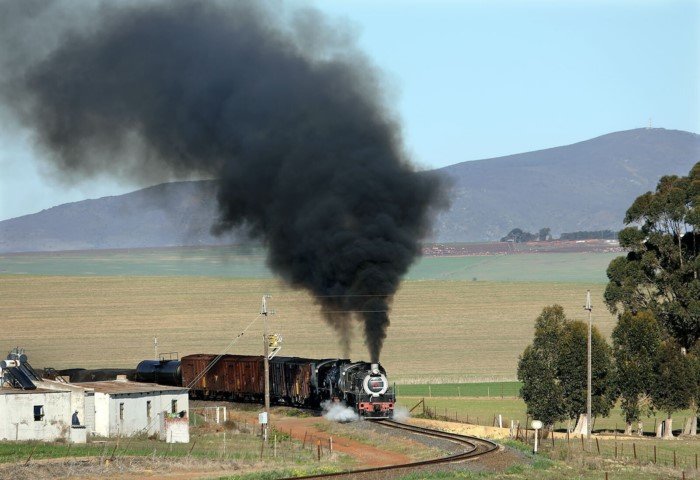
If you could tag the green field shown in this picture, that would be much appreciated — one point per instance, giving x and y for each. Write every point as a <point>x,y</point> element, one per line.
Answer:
<point>482,411</point>
<point>249,262</point>
<point>476,389</point>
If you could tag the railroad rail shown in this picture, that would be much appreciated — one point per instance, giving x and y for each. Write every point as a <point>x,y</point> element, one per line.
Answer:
<point>476,447</point>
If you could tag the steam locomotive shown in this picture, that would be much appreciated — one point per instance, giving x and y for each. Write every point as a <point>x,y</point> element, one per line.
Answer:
<point>300,382</point>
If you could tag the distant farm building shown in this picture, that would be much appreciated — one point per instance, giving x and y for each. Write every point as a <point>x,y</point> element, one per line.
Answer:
<point>124,408</point>
<point>35,408</point>
<point>36,414</point>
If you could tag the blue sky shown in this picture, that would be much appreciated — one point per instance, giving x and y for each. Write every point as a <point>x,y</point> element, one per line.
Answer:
<point>472,80</point>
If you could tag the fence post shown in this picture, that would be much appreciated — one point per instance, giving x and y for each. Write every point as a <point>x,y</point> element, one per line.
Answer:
<point>318,449</point>
<point>654,454</point>
<point>194,442</point>
<point>634,450</point>
<point>30,455</point>
<point>674,458</point>
<point>597,445</point>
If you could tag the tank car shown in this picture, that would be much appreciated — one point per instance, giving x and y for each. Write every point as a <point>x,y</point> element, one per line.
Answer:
<point>164,372</point>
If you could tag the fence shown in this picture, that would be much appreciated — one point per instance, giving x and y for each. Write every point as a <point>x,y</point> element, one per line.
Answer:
<point>563,445</point>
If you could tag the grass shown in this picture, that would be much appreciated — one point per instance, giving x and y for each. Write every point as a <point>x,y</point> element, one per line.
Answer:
<point>482,411</point>
<point>533,267</point>
<point>441,331</point>
<point>249,262</point>
<point>237,446</point>
<point>241,450</point>
<point>477,389</point>
<point>382,439</point>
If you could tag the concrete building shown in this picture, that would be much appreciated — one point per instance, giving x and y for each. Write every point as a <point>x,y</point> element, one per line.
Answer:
<point>124,408</point>
<point>38,414</point>
<point>82,400</point>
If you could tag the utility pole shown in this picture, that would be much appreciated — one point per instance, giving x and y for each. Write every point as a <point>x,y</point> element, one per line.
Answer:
<point>155,347</point>
<point>266,359</point>
<point>589,307</point>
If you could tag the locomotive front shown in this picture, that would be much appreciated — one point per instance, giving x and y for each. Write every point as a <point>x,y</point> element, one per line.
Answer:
<point>366,388</point>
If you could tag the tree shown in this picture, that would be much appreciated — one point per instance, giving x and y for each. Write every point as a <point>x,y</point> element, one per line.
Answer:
<point>544,234</point>
<point>573,371</point>
<point>675,383</point>
<point>537,369</point>
<point>517,235</point>
<point>553,369</point>
<point>660,272</point>
<point>541,390</point>
<point>636,341</point>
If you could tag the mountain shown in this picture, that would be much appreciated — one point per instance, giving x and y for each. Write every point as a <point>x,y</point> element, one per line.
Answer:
<point>170,214</point>
<point>584,186</point>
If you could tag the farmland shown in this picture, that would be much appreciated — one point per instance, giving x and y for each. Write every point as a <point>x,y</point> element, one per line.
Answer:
<point>457,323</point>
<point>249,262</point>
<point>103,309</point>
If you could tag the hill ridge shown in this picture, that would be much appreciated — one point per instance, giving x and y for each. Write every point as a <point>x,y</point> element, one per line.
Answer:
<point>587,185</point>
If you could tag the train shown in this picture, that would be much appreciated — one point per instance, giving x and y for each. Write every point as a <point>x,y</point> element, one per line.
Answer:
<point>294,381</point>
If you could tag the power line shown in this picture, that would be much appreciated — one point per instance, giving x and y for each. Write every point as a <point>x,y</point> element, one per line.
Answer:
<point>209,367</point>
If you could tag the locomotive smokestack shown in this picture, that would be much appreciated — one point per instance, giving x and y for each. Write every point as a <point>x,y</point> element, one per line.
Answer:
<point>375,368</point>
<point>280,108</point>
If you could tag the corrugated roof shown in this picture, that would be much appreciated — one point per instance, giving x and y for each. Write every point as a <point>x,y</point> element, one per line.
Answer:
<point>5,390</point>
<point>121,386</point>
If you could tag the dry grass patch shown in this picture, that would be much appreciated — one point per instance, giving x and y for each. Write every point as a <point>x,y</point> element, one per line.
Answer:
<point>440,330</point>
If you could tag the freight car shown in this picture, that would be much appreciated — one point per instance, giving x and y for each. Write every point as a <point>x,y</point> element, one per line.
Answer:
<point>301,382</point>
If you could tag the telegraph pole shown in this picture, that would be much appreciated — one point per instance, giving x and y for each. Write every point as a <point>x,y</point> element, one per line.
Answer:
<point>588,395</point>
<point>266,359</point>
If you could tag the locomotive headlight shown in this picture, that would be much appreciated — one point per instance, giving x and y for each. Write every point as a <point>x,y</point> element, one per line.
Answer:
<point>375,385</point>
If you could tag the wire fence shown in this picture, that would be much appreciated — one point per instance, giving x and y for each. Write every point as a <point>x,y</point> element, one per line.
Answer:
<point>566,446</point>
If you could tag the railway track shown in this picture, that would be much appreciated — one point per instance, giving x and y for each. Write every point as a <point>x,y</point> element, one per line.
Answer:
<point>475,447</point>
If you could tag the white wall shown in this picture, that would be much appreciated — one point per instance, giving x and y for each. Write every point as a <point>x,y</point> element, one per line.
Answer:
<point>101,402</point>
<point>17,416</point>
<point>174,430</point>
<point>77,399</point>
<point>89,413</point>
<point>134,419</point>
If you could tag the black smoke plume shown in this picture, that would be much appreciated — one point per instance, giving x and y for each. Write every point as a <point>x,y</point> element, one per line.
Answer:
<point>278,106</point>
